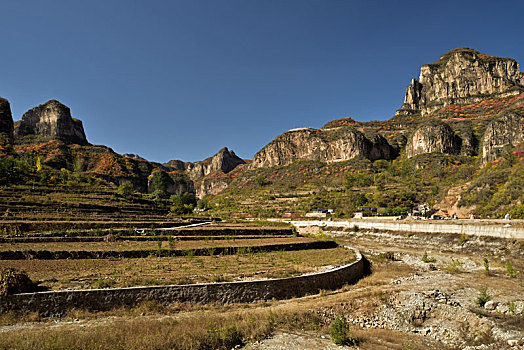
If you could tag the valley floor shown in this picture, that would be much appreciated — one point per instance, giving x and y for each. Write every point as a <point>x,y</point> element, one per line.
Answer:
<point>423,293</point>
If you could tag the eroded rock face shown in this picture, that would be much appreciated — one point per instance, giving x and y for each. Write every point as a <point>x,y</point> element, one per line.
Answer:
<point>6,121</point>
<point>52,120</point>
<point>211,186</point>
<point>461,76</point>
<point>507,130</point>
<point>224,161</point>
<point>433,136</point>
<point>328,145</point>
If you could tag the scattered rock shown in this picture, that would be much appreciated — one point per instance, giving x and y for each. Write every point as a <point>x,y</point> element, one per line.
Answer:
<point>490,305</point>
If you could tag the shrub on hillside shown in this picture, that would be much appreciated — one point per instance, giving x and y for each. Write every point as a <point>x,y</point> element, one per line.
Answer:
<point>340,332</point>
<point>125,189</point>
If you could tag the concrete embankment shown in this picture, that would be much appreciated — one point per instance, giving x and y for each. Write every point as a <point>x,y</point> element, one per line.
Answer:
<point>500,230</point>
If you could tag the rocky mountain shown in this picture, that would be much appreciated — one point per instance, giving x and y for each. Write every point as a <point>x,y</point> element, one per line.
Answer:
<point>461,76</point>
<point>464,85</point>
<point>328,145</point>
<point>51,120</point>
<point>209,175</point>
<point>6,122</point>
<point>465,107</point>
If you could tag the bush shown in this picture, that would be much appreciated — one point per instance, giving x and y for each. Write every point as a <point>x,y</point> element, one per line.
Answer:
<point>203,203</point>
<point>227,337</point>
<point>125,190</point>
<point>262,180</point>
<point>340,332</point>
<point>15,281</point>
<point>160,194</point>
<point>483,297</point>
<point>511,271</point>
<point>427,259</point>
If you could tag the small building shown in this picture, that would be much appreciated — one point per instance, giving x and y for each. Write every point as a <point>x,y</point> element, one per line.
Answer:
<point>317,214</point>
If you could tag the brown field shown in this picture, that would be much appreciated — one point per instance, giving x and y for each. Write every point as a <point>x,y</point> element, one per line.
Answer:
<point>99,273</point>
<point>131,245</point>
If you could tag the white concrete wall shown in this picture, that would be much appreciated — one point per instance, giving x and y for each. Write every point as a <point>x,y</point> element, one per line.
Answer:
<point>495,230</point>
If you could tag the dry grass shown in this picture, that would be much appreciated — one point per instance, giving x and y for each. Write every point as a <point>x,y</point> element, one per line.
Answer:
<point>200,330</point>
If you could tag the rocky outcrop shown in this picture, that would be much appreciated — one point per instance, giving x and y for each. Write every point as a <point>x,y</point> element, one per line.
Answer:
<point>211,186</point>
<point>51,120</point>
<point>433,136</point>
<point>6,122</point>
<point>505,131</point>
<point>461,76</point>
<point>330,145</point>
<point>224,161</point>
<point>176,165</point>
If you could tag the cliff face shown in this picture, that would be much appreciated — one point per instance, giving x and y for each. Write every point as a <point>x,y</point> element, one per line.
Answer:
<point>461,76</point>
<point>51,120</point>
<point>211,186</point>
<point>6,122</point>
<point>328,145</point>
<point>507,130</point>
<point>433,136</point>
<point>225,161</point>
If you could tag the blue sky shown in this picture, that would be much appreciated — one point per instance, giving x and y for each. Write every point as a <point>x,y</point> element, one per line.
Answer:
<point>180,79</point>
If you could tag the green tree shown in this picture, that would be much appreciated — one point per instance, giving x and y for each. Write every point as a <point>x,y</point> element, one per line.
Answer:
<point>125,190</point>
<point>160,180</point>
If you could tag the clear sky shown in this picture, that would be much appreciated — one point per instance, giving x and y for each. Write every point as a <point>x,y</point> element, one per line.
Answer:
<point>181,79</point>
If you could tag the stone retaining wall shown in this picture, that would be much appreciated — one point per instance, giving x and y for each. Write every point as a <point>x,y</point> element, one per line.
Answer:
<point>56,303</point>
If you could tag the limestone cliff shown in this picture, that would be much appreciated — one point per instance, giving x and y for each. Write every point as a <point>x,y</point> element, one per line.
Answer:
<point>211,185</point>
<point>461,76</point>
<point>507,130</point>
<point>6,121</point>
<point>329,145</point>
<point>51,120</point>
<point>433,136</point>
<point>224,161</point>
